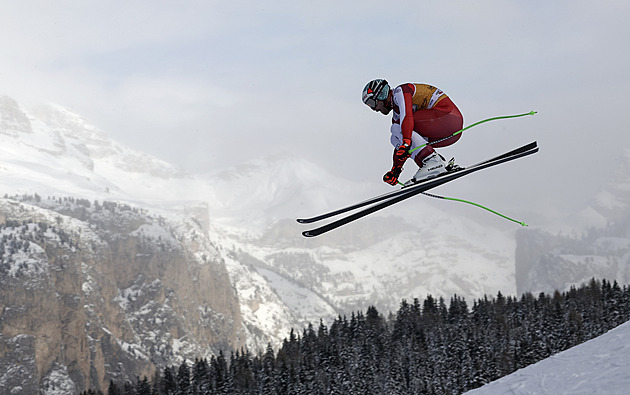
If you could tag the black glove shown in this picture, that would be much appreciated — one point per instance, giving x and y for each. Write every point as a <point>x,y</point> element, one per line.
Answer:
<point>391,177</point>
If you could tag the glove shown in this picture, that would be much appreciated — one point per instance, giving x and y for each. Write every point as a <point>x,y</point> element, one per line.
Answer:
<point>402,152</point>
<point>391,177</point>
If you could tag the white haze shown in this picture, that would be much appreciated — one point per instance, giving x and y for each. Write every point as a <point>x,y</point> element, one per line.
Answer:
<point>208,84</point>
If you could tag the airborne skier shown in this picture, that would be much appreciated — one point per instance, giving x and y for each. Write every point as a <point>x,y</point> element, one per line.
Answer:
<point>423,114</point>
<point>424,117</point>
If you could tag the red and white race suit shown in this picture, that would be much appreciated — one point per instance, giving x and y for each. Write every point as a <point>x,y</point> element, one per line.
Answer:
<point>422,114</point>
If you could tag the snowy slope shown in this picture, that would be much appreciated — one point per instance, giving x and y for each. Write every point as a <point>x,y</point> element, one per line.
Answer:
<point>598,366</point>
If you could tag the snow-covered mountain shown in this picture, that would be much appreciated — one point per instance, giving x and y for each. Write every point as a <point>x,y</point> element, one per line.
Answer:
<point>252,206</point>
<point>598,366</point>
<point>93,292</point>
<point>598,246</point>
<point>246,215</point>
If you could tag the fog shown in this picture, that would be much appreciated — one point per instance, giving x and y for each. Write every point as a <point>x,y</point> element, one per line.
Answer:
<point>207,84</point>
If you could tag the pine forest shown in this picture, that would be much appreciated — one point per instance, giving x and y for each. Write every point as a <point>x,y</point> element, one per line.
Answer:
<point>427,347</point>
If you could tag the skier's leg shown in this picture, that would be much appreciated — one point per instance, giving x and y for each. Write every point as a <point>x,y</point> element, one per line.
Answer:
<point>439,122</point>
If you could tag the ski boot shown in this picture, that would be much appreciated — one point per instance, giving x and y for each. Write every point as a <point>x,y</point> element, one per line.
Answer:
<point>432,166</point>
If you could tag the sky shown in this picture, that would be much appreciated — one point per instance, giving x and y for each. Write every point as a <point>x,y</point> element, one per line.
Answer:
<point>209,84</point>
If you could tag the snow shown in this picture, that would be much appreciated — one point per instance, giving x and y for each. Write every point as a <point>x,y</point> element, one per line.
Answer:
<point>156,233</point>
<point>282,279</point>
<point>598,366</point>
<point>261,308</point>
<point>304,303</point>
<point>58,382</point>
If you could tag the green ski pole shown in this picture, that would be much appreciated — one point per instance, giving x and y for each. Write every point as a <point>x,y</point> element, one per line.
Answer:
<point>476,204</point>
<point>455,134</point>
<point>472,203</point>
<point>475,124</point>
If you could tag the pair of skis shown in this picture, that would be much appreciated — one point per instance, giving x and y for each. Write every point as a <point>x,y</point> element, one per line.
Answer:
<point>382,201</point>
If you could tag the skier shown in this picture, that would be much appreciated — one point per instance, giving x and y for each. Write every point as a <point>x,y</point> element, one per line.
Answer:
<point>422,114</point>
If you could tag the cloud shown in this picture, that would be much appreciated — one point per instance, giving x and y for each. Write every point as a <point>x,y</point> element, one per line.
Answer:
<point>187,80</point>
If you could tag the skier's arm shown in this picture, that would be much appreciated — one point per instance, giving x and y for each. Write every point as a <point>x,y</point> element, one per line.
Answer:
<point>403,98</point>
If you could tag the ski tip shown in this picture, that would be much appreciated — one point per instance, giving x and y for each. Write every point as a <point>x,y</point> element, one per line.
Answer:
<point>300,220</point>
<point>307,233</point>
<point>533,112</point>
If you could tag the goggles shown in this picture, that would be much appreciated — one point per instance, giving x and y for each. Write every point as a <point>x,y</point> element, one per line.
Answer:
<point>371,102</point>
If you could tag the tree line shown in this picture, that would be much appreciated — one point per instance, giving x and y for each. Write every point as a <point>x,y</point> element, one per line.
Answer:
<point>426,347</point>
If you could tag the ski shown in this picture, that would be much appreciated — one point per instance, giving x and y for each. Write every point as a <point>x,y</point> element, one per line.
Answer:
<point>406,189</point>
<point>419,188</point>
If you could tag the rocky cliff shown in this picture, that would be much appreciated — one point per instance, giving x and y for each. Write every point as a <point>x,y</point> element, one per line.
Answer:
<point>153,289</point>
<point>91,292</point>
<point>598,246</point>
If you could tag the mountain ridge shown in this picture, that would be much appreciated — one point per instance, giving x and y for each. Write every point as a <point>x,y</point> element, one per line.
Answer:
<point>251,206</point>
<point>247,212</point>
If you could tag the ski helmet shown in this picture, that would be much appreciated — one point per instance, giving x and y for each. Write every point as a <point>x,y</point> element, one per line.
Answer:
<point>375,90</point>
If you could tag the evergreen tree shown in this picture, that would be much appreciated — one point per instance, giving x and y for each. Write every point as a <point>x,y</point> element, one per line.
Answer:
<point>268,379</point>
<point>200,377</point>
<point>424,347</point>
<point>219,371</point>
<point>113,388</point>
<point>241,371</point>
<point>169,385</point>
<point>143,387</point>
<point>129,389</point>
<point>183,379</point>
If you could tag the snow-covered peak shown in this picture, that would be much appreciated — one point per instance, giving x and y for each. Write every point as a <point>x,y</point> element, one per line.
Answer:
<point>50,149</point>
<point>249,210</point>
<point>95,143</point>
<point>281,186</point>
<point>13,121</point>
<point>71,125</point>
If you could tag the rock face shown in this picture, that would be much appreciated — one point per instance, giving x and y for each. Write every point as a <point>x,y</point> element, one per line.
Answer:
<point>146,290</point>
<point>546,262</point>
<point>97,292</point>
<point>282,279</point>
<point>599,249</point>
